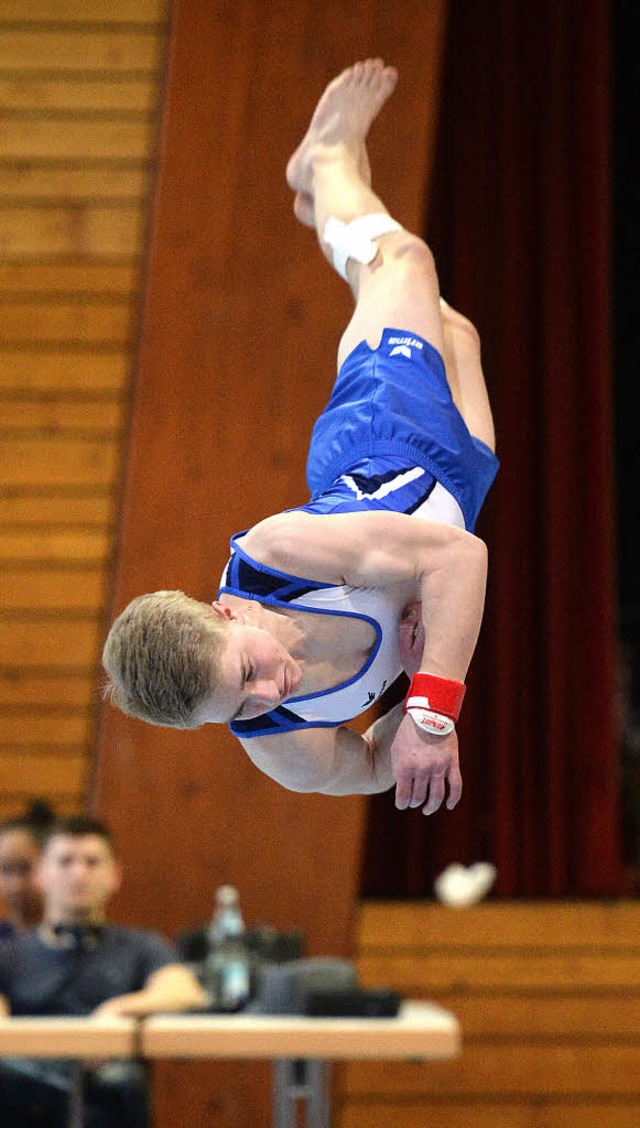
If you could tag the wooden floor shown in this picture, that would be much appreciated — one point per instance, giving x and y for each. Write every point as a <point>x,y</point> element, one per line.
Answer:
<point>548,995</point>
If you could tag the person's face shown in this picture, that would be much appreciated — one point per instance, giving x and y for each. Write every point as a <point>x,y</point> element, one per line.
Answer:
<point>256,674</point>
<point>77,876</point>
<point>19,853</point>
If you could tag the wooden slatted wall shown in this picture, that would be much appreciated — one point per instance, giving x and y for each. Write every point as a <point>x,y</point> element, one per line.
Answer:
<point>80,83</point>
<point>548,995</point>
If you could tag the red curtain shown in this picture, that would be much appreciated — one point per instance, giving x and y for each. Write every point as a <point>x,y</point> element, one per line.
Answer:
<point>520,223</point>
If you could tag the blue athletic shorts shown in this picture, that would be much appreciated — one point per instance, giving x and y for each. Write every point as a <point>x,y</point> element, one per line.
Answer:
<point>394,403</point>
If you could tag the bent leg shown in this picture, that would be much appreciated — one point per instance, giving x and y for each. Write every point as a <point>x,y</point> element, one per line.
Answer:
<point>330,170</point>
<point>464,373</point>
<point>399,290</point>
<point>330,174</point>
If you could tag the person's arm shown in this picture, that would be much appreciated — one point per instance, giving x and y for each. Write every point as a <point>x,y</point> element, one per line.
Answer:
<point>331,761</point>
<point>446,568</point>
<point>5,1009</point>
<point>171,988</point>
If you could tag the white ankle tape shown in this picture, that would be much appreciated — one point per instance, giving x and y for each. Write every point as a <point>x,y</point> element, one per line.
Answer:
<point>356,239</point>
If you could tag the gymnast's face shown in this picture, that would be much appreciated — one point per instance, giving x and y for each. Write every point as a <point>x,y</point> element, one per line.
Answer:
<point>256,674</point>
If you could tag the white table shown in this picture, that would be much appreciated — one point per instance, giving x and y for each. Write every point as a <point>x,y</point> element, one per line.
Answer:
<point>302,1048</point>
<point>75,1039</point>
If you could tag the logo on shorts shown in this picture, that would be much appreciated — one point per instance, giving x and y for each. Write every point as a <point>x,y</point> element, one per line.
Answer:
<point>401,350</point>
<point>411,342</point>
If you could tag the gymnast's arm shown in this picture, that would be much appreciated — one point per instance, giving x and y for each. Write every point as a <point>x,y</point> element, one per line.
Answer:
<point>447,568</point>
<point>332,761</point>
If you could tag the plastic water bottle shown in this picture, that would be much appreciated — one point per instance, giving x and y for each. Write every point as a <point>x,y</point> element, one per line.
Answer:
<point>226,972</point>
<point>227,918</point>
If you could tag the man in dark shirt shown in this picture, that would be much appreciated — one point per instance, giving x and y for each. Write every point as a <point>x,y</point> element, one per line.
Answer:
<point>75,963</point>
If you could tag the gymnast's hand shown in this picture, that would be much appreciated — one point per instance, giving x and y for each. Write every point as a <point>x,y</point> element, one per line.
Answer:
<point>422,766</point>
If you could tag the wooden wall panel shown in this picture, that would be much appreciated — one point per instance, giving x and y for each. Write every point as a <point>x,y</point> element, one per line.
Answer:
<point>548,1000</point>
<point>60,12</point>
<point>227,320</point>
<point>240,328</point>
<point>50,49</point>
<point>80,90</point>
<point>78,96</point>
<point>83,419</point>
<point>89,279</point>
<point>45,137</point>
<point>64,373</point>
<point>21,182</point>
<point>480,1114</point>
<point>68,229</point>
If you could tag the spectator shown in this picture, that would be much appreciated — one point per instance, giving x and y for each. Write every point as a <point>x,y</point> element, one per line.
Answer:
<point>74,963</point>
<point>20,845</point>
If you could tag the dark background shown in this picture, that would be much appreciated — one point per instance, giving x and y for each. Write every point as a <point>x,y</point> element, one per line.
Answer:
<point>626,284</point>
<point>626,113</point>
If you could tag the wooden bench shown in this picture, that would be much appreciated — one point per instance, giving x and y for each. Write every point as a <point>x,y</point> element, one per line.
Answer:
<point>548,998</point>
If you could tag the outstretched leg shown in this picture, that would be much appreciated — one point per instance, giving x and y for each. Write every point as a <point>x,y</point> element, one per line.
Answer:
<point>329,172</point>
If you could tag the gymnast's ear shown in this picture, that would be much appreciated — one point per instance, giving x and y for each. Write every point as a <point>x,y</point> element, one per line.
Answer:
<point>226,612</point>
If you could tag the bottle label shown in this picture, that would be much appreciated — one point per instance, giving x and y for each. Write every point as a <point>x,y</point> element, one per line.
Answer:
<point>235,985</point>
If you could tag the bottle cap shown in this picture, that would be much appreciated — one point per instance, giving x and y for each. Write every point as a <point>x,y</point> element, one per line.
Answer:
<point>227,895</point>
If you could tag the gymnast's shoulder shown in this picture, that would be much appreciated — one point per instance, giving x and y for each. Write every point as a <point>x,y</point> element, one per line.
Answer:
<point>329,546</point>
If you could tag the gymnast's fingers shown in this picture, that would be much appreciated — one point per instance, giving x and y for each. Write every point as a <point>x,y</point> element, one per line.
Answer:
<point>404,788</point>
<point>436,794</point>
<point>454,779</point>
<point>420,787</point>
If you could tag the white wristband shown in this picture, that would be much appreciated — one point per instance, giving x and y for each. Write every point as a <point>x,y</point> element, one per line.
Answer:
<point>435,723</point>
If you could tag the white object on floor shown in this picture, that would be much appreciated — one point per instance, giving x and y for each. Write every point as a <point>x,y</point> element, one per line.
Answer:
<point>459,886</point>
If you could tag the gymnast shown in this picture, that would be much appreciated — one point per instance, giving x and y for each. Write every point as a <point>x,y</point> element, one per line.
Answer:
<point>321,607</point>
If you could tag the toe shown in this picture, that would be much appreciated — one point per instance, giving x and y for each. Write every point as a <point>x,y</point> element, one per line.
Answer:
<point>369,71</point>
<point>291,172</point>
<point>303,208</point>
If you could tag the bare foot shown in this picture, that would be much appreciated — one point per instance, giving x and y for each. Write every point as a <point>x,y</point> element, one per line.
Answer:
<point>342,117</point>
<point>303,206</point>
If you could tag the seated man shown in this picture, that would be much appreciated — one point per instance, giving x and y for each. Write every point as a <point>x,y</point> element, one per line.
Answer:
<point>321,607</point>
<point>74,963</point>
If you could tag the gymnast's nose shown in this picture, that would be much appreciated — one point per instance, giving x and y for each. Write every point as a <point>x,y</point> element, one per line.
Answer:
<point>265,692</point>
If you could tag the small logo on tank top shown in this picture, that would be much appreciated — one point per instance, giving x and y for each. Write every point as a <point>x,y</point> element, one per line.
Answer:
<point>371,697</point>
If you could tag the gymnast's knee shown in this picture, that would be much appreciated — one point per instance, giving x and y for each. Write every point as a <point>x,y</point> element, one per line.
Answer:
<point>458,327</point>
<point>410,253</point>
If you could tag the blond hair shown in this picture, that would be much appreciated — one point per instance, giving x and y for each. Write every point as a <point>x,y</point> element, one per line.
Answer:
<point>161,656</point>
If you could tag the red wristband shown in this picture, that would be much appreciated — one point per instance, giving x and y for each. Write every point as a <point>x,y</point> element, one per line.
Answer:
<point>440,695</point>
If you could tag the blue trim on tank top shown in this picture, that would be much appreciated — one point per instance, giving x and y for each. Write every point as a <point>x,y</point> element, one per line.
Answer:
<point>274,601</point>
